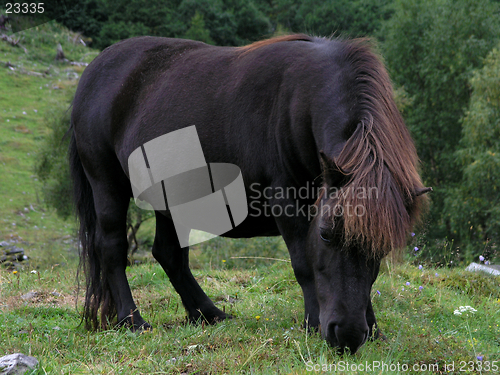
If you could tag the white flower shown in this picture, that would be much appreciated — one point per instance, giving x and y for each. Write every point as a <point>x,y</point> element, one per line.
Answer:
<point>469,308</point>
<point>463,309</point>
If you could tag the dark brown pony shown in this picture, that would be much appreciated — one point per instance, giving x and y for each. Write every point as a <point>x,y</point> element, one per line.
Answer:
<point>285,111</point>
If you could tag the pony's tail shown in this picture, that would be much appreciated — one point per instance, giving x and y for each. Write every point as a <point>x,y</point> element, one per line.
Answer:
<point>97,293</point>
<point>384,189</point>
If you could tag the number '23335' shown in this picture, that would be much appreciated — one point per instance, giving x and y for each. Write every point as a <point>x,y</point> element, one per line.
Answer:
<point>24,8</point>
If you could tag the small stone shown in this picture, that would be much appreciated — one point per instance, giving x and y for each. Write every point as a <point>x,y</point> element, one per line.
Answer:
<point>29,295</point>
<point>491,269</point>
<point>17,364</point>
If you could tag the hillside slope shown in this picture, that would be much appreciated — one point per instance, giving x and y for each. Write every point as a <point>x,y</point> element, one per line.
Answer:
<point>33,88</point>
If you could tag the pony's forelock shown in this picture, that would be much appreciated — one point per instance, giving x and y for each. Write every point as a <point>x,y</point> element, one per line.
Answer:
<point>379,154</point>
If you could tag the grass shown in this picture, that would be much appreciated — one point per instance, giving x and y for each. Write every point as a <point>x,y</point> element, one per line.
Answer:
<point>26,104</point>
<point>265,336</point>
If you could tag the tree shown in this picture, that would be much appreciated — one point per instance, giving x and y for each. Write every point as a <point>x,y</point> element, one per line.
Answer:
<point>474,207</point>
<point>432,48</point>
<point>328,17</point>
<point>129,18</point>
<point>86,17</point>
<point>197,30</point>
<point>230,22</point>
<point>226,22</point>
<point>52,166</point>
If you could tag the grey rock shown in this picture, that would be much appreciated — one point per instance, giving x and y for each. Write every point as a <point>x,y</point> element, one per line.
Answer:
<point>72,75</point>
<point>11,254</point>
<point>29,295</point>
<point>491,269</point>
<point>15,250</point>
<point>17,364</point>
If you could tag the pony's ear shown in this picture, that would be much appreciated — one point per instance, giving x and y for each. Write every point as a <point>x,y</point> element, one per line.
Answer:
<point>421,191</point>
<point>327,168</point>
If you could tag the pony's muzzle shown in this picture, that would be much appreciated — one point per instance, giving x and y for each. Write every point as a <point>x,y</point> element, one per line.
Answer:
<point>347,335</point>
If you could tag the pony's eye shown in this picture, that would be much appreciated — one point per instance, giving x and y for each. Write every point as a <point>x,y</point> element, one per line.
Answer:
<point>325,234</point>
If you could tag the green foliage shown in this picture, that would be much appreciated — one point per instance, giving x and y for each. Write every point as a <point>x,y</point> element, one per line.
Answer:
<point>331,17</point>
<point>252,22</point>
<point>197,30</point>
<point>431,48</point>
<point>223,22</point>
<point>86,17</point>
<point>52,165</point>
<point>129,18</point>
<point>474,206</point>
<point>230,22</point>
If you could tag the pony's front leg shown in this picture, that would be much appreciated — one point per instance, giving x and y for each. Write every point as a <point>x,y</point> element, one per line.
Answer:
<point>374,332</point>
<point>175,262</point>
<point>294,231</point>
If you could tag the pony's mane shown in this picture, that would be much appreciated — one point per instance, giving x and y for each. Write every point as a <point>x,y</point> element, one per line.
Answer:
<point>379,154</point>
<point>277,39</point>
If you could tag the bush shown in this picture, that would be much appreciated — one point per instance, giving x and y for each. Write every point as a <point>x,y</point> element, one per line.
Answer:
<point>52,167</point>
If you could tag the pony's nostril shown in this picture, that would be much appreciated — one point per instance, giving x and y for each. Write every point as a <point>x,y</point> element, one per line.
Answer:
<point>346,336</point>
<point>331,335</point>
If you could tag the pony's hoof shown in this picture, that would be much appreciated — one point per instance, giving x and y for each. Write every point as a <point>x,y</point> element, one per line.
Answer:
<point>218,319</point>
<point>211,319</point>
<point>145,328</point>
<point>135,324</point>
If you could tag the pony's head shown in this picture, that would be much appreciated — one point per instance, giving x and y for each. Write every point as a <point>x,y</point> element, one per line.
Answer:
<point>346,262</point>
<point>344,276</point>
<point>371,198</point>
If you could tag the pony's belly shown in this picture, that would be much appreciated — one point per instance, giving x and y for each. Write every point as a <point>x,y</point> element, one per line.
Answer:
<point>254,227</point>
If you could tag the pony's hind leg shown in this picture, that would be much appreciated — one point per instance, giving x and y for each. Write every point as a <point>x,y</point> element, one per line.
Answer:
<point>175,261</point>
<point>111,248</point>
